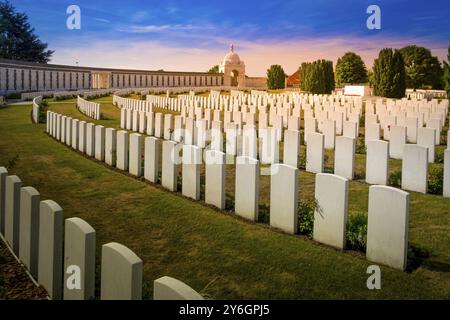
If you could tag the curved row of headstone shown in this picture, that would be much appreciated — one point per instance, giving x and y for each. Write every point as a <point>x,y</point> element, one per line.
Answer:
<point>89,108</point>
<point>60,254</point>
<point>124,151</point>
<point>36,106</point>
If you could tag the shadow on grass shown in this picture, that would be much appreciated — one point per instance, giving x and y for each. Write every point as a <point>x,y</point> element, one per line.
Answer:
<point>421,258</point>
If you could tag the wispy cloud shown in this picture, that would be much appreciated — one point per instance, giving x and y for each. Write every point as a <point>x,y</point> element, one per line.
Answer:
<point>161,28</point>
<point>102,20</point>
<point>172,10</point>
<point>140,16</point>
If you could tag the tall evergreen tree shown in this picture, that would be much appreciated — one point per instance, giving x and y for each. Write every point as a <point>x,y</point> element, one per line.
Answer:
<point>276,77</point>
<point>422,69</point>
<point>350,68</point>
<point>446,76</point>
<point>17,38</point>
<point>389,74</point>
<point>317,77</point>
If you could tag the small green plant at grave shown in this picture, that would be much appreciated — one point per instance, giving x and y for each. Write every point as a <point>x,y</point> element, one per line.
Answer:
<point>439,155</point>
<point>43,107</point>
<point>264,213</point>
<point>229,202</point>
<point>359,175</point>
<point>360,147</point>
<point>435,180</point>
<point>179,182</point>
<point>302,159</point>
<point>356,234</point>
<point>395,179</point>
<point>12,162</point>
<point>305,215</point>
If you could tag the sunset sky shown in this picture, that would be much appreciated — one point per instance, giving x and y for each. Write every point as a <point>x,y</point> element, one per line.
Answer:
<point>195,35</point>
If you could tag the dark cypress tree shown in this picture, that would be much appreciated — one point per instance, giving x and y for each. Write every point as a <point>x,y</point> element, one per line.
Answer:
<point>446,76</point>
<point>389,74</point>
<point>17,38</point>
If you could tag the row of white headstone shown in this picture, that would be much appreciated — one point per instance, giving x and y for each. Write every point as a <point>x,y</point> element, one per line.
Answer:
<point>284,189</point>
<point>89,108</point>
<point>60,254</point>
<point>245,143</point>
<point>412,115</point>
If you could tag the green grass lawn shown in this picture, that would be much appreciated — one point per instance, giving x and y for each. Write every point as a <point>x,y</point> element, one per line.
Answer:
<point>215,252</point>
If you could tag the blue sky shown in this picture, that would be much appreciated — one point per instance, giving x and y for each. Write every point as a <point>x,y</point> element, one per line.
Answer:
<point>194,35</point>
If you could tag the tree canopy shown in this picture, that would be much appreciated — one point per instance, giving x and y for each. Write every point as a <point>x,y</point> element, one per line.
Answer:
<point>317,77</point>
<point>350,69</point>
<point>422,69</point>
<point>389,74</point>
<point>446,76</point>
<point>17,38</point>
<point>276,77</point>
<point>214,69</point>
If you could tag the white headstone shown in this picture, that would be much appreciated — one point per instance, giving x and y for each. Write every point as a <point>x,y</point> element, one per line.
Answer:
<point>3,174</point>
<point>377,162</point>
<point>397,142</point>
<point>100,143</point>
<point>12,212</point>
<point>315,152</point>
<point>291,148</point>
<point>151,161</point>
<point>167,288</point>
<point>330,215</point>
<point>135,162</point>
<point>29,229</point>
<point>215,178</point>
<point>79,250</point>
<point>170,163</point>
<point>122,150</point>
<point>90,139</point>
<point>50,265</point>
<point>415,168</point>
<point>247,188</point>
<point>284,197</point>
<point>121,274</point>
<point>372,132</point>
<point>387,226</point>
<point>344,157</point>
<point>426,138</point>
<point>192,160</point>
<point>110,146</point>
<point>446,184</point>
<point>329,131</point>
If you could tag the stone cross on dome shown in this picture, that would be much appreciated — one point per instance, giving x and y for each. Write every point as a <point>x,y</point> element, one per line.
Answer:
<point>232,47</point>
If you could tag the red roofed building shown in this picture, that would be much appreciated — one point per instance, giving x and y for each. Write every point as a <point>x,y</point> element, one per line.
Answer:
<point>293,80</point>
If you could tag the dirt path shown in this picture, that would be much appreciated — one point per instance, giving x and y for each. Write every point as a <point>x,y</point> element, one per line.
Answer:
<point>14,282</point>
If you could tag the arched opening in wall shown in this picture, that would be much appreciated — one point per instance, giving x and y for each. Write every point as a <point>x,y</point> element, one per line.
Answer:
<point>234,78</point>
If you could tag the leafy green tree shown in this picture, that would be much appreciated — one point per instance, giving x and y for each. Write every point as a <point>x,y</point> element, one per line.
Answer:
<point>350,68</point>
<point>370,79</point>
<point>446,76</point>
<point>214,69</point>
<point>17,38</point>
<point>389,74</point>
<point>276,77</point>
<point>422,69</point>
<point>317,77</point>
